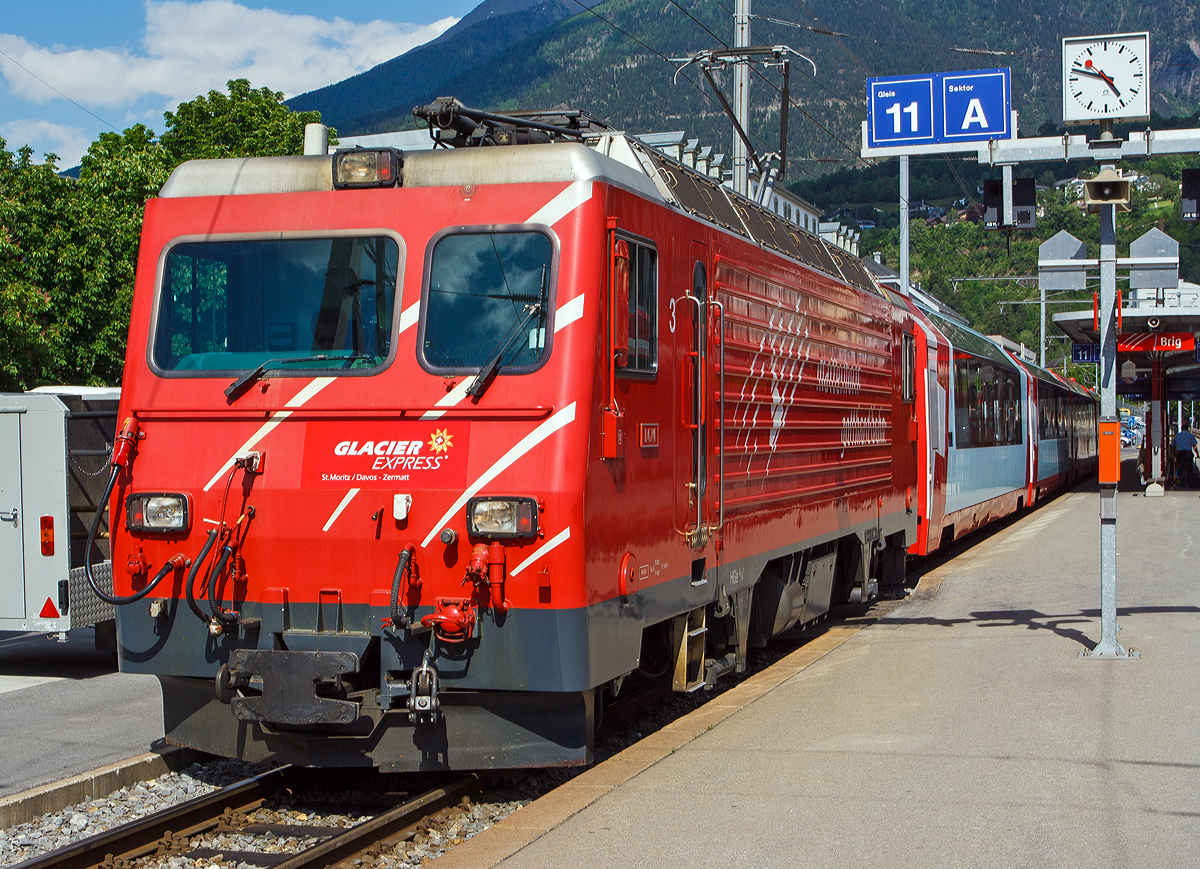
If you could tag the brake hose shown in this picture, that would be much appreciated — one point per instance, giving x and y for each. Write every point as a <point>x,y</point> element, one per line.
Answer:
<point>398,619</point>
<point>175,561</point>
<point>191,577</point>
<point>228,617</point>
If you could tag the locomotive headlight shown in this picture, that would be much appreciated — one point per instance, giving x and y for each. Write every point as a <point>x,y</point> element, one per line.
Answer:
<point>378,167</point>
<point>156,512</point>
<point>502,517</point>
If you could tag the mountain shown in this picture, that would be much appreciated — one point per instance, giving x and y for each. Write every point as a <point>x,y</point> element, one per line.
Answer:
<point>354,105</point>
<point>615,63</point>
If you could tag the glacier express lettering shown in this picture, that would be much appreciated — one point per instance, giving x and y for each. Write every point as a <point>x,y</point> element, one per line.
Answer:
<point>378,448</point>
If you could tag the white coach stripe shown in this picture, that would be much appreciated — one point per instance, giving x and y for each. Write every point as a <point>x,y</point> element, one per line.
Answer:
<point>568,312</point>
<point>310,389</point>
<point>410,315</point>
<point>527,443</point>
<point>560,537</point>
<point>451,398</point>
<point>563,204</point>
<point>340,507</point>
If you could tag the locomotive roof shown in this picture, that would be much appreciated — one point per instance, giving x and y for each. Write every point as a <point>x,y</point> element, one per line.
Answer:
<point>613,158</point>
<point>443,167</point>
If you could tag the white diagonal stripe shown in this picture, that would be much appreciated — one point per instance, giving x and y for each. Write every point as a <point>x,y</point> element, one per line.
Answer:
<point>310,389</point>
<point>410,315</point>
<point>577,193</point>
<point>527,443</point>
<point>340,507</point>
<point>568,312</point>
<point>451,398</point>
<point>560,537</point>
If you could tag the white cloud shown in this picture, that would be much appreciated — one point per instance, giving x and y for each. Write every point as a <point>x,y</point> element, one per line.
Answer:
<point>65,141</point>
<point>191,48</point>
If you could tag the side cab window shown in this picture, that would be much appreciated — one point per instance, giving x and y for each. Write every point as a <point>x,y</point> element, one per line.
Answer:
<point>636,266</point>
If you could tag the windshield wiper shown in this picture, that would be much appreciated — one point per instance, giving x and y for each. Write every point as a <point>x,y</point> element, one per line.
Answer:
<point>235,389</point>
<point>488,372</point>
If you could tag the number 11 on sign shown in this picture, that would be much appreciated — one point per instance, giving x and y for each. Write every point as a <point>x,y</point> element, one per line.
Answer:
<point>895,111</point>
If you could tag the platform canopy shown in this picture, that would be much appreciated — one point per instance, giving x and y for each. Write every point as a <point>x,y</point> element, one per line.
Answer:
<point>1168,314</point>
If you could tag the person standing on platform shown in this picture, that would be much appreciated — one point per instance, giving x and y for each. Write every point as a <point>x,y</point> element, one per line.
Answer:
<point>1185,449</point>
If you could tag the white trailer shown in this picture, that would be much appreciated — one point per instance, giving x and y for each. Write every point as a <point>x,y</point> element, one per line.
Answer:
<point>53,447</point>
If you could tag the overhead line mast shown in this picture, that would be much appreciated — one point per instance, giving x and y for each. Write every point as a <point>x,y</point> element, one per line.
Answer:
<point>741,97</point>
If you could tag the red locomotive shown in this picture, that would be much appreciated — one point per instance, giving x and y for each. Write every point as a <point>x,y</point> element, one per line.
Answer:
<point>426,453</point>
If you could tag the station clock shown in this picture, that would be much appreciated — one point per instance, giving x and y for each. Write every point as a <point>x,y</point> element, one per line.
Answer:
<point>1106,78</point>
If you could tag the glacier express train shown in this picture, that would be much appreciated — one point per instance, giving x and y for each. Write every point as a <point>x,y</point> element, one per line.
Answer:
<point>425,454</point>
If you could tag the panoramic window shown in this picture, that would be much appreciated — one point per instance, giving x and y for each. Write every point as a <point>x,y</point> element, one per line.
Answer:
<point>987,403</point>
<point>643,310</point>
<point>489,297</point>
<point>295,304</point>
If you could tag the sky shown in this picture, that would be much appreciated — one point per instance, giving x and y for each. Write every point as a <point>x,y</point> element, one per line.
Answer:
<point>102,65</point>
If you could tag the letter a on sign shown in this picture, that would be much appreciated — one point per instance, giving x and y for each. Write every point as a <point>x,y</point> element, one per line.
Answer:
<point>975,115</point>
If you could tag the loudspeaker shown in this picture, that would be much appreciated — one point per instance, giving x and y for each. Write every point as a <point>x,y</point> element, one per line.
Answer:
<point>1107,188</point>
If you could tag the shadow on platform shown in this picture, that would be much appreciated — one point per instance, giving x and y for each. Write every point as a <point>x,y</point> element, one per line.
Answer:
<point>1034,620</point>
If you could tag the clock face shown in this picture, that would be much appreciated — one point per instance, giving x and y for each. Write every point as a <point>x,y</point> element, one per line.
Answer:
<point>1106,77</point>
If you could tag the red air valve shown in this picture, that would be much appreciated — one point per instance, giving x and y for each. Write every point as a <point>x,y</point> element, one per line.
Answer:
<point>496,570</point>
<point>123,445</point>
<point>452,620</point>
<point>487,564</point>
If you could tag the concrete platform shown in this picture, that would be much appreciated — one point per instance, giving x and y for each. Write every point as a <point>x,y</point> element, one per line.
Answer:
<point>961,730</point>
<point>65,710</point>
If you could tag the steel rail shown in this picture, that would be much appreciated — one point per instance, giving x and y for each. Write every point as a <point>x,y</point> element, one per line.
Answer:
<point>167,832</point>
<point>143,836</point>
<point>383,831</point>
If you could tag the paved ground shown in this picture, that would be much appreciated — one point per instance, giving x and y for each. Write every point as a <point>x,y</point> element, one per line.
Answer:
<point>65,710</point>
<point>963,730</point>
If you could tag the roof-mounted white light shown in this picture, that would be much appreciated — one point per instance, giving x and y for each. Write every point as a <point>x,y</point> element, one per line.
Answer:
<point>362,167</point>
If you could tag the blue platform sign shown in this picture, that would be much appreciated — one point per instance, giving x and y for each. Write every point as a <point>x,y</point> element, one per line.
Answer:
<point>970,106</point>
<point>1085,353</point>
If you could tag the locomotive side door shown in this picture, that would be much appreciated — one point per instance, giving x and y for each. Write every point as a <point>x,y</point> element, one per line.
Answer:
<point>699,447</point>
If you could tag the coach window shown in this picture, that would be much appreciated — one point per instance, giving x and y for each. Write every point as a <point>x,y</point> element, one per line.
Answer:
<point>488,294</point>
<point>908,368</point>
<point>986,402</point>
<point>642,358</point>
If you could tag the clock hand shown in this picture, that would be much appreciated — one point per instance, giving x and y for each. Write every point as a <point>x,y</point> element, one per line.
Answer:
<point>1096,73</point>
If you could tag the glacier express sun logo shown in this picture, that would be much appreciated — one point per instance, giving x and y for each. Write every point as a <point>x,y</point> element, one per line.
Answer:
<point>383,455</point>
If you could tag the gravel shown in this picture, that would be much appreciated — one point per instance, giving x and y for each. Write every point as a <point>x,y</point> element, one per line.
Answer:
<point>61,828</point>
<point>316,808</point>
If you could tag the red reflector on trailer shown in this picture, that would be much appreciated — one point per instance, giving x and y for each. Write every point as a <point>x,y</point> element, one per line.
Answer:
<point>48,537</point>
<point>49,611</point>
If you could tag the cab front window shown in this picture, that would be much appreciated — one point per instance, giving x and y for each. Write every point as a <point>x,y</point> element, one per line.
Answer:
<point>488,295</point>
<point>294,304</point>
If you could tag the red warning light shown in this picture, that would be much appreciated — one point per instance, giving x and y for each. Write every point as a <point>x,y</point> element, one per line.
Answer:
<point>48,538</point>
<point>49,611</point>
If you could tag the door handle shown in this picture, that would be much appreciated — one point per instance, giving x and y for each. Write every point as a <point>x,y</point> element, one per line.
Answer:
<point>9,517</point>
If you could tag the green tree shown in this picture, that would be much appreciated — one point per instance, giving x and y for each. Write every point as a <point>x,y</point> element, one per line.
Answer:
<point>32,210</point>
<point>243,123</point>
<point>69,249</point>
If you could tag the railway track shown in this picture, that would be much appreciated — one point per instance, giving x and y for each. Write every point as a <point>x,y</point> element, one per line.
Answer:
<point>231,809</point>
